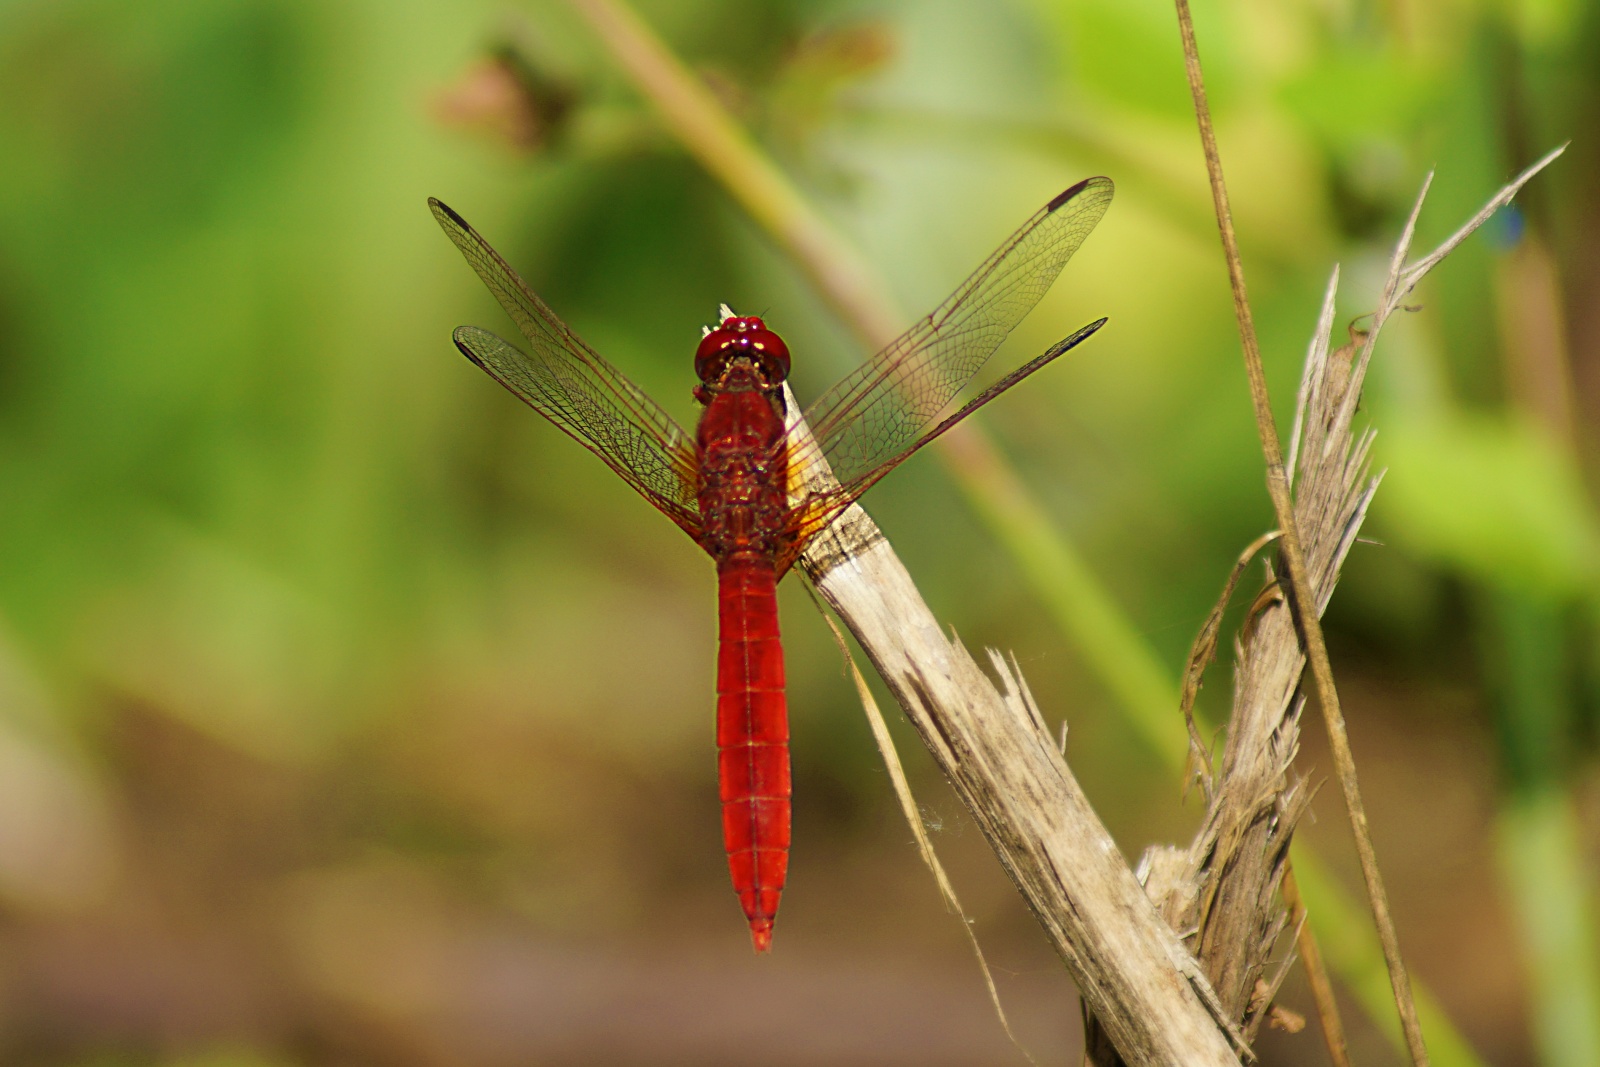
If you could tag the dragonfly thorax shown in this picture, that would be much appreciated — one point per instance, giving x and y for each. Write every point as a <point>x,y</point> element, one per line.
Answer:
<point>742,354</point>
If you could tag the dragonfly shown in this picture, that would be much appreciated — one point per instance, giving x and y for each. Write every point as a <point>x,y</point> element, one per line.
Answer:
<point>736,485</point>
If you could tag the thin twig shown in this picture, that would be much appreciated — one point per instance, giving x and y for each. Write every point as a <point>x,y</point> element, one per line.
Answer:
<point>1317,973</point>
<point>1302,595</point>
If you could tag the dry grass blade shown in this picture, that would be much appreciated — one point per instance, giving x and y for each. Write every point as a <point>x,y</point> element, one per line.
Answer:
<point>1315,355</point>
<point>908,808</point>
<point>1317,974</point>
<point>1201,653</point>
<point>993,745</point>
<point>1403,279</point>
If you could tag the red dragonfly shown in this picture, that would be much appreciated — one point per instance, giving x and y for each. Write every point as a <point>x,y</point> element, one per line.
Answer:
<point>734,486</point>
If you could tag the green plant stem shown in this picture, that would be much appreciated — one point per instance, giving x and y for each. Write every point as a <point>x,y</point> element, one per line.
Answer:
<point>1540,849</point>
<point>694,115</point>
<point>1541,856</point>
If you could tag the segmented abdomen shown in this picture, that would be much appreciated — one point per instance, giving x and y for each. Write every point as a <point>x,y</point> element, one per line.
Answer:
<point>752,739</point>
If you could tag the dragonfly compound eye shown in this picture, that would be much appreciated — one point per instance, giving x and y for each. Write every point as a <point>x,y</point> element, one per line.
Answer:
<point>774,354</point>
<point>747,337</point>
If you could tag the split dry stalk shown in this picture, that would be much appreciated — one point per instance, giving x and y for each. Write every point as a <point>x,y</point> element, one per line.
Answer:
<point>1224,886</point>
<point>994,747</point>
<point>1222,890</point>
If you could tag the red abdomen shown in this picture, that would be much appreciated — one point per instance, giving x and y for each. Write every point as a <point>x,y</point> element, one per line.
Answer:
<point>752,738</point>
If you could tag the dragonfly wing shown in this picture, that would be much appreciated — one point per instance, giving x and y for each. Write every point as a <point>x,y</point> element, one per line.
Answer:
<point>825,499</point>
<point>568,383</point>
<point>885,409</point>
<point>555,390</point>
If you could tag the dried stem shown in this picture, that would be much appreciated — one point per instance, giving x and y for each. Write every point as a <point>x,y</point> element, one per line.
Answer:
<point>1222,886</point>
<point>1317,973</point>
<point>1238,857</point>
<point>1302,594</point>
<point>997,752</point>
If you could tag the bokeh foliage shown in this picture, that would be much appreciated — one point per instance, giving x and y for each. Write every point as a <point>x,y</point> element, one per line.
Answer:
<point>348,712</point>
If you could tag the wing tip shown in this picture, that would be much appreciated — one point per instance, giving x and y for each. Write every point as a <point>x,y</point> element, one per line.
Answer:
<point>1090,330</point>
<point>440,208</point>
<point>457,336</point>
<point>1075,338</point>
<point>1072,191</point>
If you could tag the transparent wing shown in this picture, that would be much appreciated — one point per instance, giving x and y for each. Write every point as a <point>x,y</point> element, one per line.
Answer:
<point>825,499</point>
<point>568,383</point>
<point>885,409</point>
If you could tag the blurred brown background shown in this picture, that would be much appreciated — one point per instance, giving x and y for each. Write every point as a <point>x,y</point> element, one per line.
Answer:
<point>349,714</point>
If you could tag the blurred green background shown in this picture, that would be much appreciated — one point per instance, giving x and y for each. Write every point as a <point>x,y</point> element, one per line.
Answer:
<point>349,714</point>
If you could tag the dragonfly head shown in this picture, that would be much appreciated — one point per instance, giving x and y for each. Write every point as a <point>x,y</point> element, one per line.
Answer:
<point>743,340</point>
